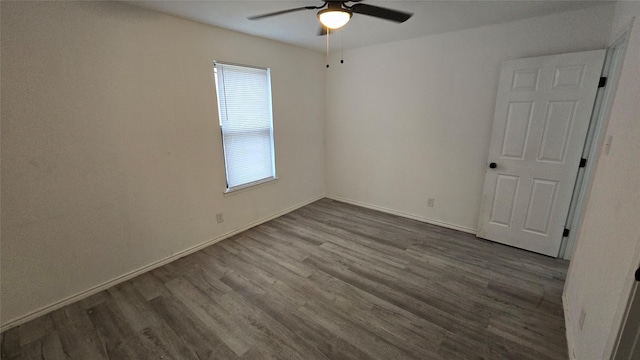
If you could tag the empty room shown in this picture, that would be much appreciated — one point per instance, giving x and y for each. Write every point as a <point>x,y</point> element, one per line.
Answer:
<point>320,180</point>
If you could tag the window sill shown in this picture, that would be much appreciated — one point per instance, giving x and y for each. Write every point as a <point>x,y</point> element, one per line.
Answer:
<point>254,184</point>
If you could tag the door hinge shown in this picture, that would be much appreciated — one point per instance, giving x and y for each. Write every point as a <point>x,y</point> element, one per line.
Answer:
<point>565,233</point>
<point>583,162</point>
<point>603,82</point>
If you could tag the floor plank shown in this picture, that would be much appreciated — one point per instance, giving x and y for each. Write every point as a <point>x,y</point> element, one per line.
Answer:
<point>327,281</point>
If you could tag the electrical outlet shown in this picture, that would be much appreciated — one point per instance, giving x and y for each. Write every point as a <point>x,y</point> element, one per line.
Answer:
<point>430,202</point>
<point>583,315</point>
<point>219,218</point>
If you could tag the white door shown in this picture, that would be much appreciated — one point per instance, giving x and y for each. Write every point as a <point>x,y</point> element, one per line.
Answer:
<point>541,119</point>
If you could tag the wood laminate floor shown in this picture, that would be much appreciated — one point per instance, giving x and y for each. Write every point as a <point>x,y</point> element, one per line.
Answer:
<point>327,281</point>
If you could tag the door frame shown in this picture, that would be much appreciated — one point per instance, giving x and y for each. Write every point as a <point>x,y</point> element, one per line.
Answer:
<point>629,296</point>
<point>594,141</point>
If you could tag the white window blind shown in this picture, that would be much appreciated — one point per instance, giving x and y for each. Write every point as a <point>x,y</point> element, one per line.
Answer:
<point>244,103</point>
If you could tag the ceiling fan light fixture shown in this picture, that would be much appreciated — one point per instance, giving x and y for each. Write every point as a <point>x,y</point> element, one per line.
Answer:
<point>334,18</point>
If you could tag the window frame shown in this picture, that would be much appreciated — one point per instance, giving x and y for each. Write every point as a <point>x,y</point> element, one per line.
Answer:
<point>250,184</point>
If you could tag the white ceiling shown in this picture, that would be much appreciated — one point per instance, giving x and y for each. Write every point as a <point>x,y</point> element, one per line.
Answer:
<point>300,28</point>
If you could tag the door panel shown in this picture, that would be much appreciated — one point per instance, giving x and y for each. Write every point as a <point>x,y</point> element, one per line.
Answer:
<point>557,127</point>
<point>525,80</point>
<point>540,124</point>
<point>503,200</point>
<point>568,77</point>
<point>515,133</point>
<point>541,201</point>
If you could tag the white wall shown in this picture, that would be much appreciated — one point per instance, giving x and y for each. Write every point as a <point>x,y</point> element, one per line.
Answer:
<point>411,120</point>
<point>608,249</point>
<point>111,154</point>
<point>111,159</point>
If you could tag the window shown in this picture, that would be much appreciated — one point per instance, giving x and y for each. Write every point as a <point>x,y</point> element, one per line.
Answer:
<point>244,105</point>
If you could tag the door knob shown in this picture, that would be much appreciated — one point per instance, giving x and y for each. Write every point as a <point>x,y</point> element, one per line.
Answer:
<point>493,165</point>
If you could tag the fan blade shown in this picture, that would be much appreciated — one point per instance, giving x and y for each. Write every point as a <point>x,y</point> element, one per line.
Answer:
<point>322,31</point>
<point>380,12</point>
<point>258,17</point>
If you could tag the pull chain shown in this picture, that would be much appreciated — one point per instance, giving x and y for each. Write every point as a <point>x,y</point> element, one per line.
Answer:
<point>342,48</point>
<point>327,48</point>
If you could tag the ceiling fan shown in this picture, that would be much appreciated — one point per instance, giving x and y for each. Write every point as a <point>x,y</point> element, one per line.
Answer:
<point>334,14</point>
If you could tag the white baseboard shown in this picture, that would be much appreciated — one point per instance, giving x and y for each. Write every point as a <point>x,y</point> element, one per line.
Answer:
<point>568,320</point>
<point>96,289</point>
<point>403,214</point>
